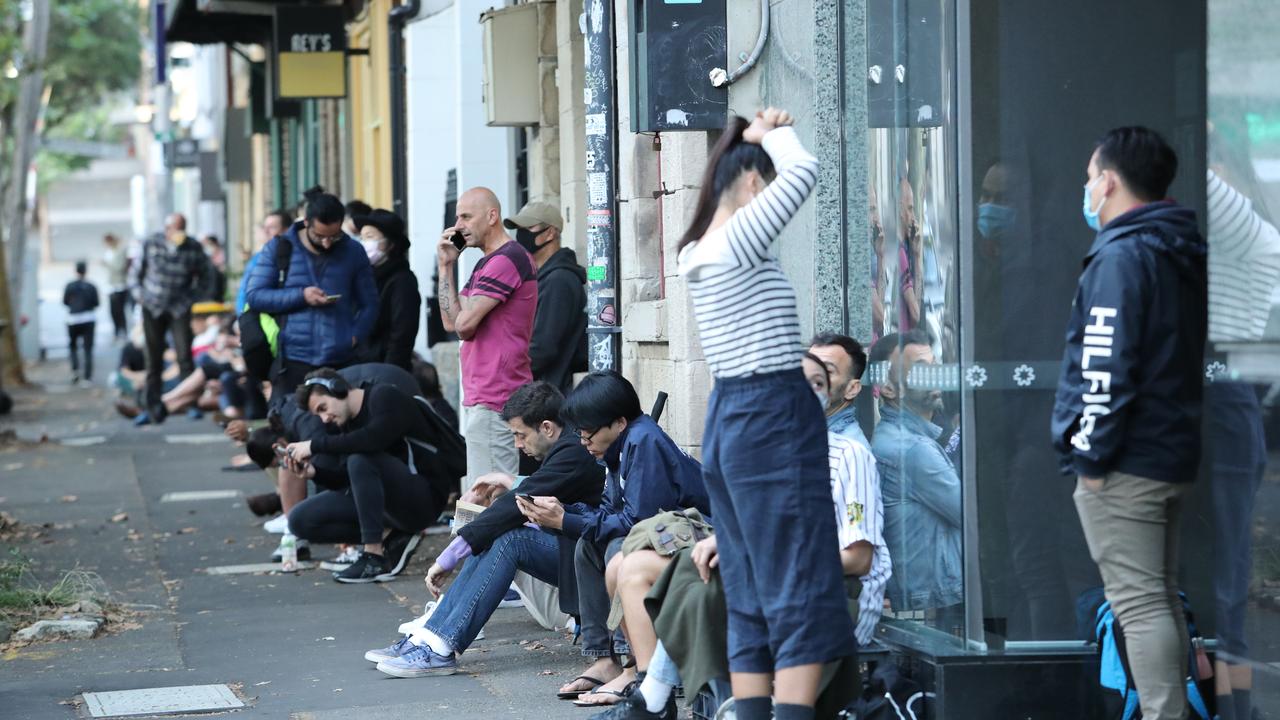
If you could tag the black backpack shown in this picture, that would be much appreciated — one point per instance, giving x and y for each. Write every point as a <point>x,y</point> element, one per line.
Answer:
<point>256,340</point>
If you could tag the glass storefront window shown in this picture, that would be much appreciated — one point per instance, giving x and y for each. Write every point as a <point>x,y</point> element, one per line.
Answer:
<point>980,118</point>
<point>912,298</point>
<point>1242,396</point>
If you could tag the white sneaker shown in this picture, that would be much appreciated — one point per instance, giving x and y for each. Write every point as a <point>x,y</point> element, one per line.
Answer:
<point>278,525</point>
<point>343,561</point>
<point>419,622</point>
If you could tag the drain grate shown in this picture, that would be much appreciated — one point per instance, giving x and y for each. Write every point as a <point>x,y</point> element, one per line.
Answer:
<point>161,701</point>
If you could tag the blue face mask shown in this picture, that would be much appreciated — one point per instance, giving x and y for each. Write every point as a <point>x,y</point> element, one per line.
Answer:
<point>995,220</point>
<point>1091,215</point>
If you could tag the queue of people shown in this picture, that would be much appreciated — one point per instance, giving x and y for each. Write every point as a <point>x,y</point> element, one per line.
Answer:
<point>769,562</point>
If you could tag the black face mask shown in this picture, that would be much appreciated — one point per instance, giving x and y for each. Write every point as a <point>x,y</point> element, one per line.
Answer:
<point>529,240</point>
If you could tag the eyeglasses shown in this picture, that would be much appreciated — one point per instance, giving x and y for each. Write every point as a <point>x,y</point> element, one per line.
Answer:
<point>317,237</point>
<point>587,437</point>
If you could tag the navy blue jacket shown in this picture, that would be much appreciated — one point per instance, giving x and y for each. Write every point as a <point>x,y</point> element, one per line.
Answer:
<point>319,336</point>
<point>1131,390</point>
<point>647,473</point>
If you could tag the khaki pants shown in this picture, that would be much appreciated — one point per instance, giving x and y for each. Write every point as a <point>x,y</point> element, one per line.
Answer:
<point>1132,526</point>
<point>490,447</point>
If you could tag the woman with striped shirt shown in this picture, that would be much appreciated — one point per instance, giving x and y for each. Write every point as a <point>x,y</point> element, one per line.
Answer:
<point>765,445</point>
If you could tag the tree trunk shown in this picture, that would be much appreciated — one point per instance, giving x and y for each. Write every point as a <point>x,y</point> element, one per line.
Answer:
<point>35,43</point>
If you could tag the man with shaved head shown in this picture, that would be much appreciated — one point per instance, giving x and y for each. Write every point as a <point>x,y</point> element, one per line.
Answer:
<point>493,315</point>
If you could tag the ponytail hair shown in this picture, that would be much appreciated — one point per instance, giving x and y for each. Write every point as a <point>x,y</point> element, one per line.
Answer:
<point>727,161</point>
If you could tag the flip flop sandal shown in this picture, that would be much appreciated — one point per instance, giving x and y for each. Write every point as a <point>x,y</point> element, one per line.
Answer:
<point>620,694</point>
<point>575,694</point>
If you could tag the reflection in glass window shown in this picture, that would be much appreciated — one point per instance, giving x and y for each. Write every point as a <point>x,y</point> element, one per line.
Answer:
<point>1242,412</point>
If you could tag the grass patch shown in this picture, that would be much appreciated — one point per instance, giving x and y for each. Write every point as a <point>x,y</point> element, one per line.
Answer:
<point>24,597</point>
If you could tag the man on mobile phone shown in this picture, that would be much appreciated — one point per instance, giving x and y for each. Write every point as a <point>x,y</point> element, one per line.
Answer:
<point>493,315</point>
<point>327,301</point>
<point>499,540</point>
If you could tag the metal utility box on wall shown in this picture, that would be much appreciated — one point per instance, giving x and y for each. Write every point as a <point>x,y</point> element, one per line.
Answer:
<point>511,79</point>
<point>675,44</point>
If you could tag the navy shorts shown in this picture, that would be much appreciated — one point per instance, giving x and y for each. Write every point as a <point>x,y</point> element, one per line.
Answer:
<point>766,470</point>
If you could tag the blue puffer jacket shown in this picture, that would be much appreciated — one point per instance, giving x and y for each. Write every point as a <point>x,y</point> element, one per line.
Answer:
<point>1131,391</point>
<point>320,336</point>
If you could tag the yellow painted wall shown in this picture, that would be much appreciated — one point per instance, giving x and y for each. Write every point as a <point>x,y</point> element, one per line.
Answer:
<point>370,105</point>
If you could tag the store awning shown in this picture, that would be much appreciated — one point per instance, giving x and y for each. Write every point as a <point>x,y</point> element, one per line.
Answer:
<point>205,22</point>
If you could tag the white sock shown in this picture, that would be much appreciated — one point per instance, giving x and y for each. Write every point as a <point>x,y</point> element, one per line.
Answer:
<point>437,644</point>
<point>655,693</point>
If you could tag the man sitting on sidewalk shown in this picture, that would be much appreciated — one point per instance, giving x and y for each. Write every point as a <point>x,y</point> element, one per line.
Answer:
<point>648,473</point>
<point>499,539</point>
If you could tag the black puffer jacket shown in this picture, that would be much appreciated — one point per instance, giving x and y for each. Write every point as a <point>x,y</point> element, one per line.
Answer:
<point>399,312</point>
<point>1131,391</point>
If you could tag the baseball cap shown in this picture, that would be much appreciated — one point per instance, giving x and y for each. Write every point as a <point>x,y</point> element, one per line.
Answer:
<point>535,213</point>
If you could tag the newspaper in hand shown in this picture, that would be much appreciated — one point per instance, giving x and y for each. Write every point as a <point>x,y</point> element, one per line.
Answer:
<point>464,513</point>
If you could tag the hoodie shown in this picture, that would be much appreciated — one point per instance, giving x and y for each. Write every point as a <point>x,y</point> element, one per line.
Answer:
<point>558,348</point>
<point>1130,393</point>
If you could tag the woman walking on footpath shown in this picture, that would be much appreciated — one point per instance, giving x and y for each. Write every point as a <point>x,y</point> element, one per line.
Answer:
<point>765,445</point>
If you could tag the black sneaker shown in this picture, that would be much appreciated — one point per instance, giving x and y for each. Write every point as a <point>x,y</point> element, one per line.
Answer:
<point>398,548</point>
<point>369,568</point>
<point>633,708</point>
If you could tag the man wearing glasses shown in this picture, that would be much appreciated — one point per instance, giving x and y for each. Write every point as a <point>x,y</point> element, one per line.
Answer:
<point>326,302</point>
<point>647,473</point>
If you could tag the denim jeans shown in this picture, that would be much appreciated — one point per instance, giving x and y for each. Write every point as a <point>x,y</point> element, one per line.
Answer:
<point>589,564</point>
<point>484,580</point>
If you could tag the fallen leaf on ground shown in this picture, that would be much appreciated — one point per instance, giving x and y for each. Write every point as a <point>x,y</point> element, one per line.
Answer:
<point>119,517</point>
<point>69,498</point>
<point>186,531</point>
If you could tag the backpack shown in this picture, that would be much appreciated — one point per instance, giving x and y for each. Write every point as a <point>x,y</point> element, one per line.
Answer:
<point>1120,699</point>
<point>445,460</point>
<point>259,331</point>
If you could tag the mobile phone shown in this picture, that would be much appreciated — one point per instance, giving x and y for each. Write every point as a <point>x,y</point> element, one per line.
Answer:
<point>459,241</point>
<point>526,497</point>
<point>281,451</point>
<point>332,298</point>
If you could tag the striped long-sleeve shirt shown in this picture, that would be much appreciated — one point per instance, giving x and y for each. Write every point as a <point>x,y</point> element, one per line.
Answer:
<point>855,490</point>
<point>744,305</point>
<point>1244,265</point>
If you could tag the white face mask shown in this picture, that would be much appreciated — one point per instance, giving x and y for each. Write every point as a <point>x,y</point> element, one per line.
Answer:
<point>373,248</point>
<point>822,398</point>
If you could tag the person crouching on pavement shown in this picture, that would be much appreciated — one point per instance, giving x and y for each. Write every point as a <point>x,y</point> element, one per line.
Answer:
<point>388,447</point>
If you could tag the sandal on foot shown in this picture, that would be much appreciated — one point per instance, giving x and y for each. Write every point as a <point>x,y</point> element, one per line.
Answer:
<point>575,694</point>
<point>619,694</point>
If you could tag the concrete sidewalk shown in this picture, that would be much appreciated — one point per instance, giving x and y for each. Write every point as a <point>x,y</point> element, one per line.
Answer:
<point>291,646</point>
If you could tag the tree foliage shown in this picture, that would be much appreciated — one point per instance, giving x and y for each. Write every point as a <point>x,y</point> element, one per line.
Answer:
<point>95,49</point>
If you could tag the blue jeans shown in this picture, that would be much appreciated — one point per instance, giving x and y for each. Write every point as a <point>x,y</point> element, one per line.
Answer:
<point>484,580</point>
